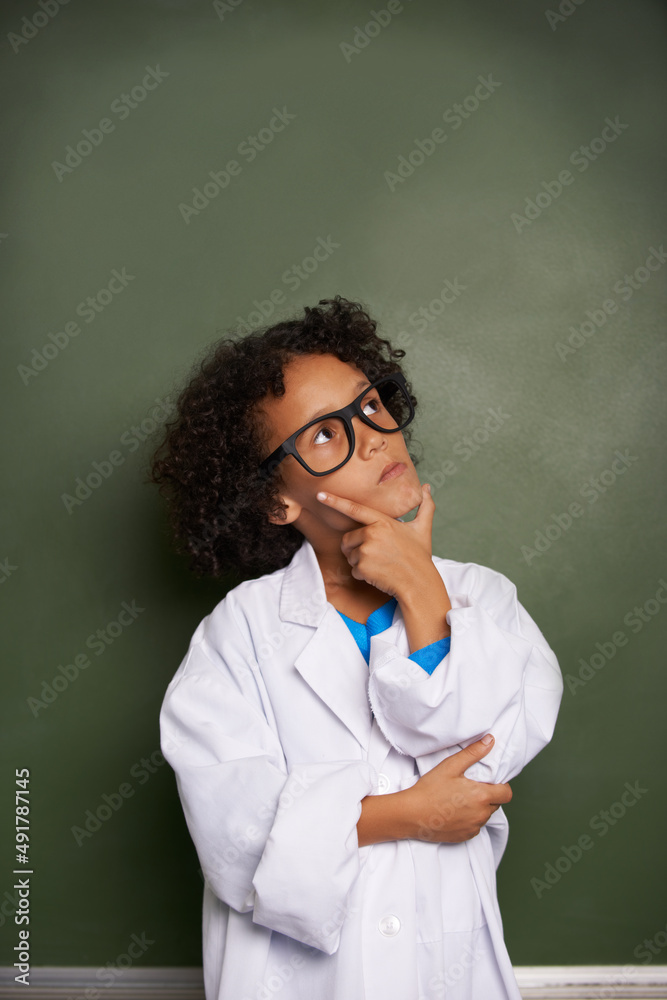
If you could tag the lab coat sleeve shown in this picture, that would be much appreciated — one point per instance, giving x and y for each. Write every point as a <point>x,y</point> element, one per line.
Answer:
<point>500,676</point>
<point>279,842</point>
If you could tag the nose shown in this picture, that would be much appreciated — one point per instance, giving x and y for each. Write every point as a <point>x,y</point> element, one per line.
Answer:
<point>367,438</point>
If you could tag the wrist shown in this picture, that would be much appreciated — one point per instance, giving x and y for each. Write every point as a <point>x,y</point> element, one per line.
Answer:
<point>408,815</point>
<point>425,611</point>
<point>425,588</point>
<point>387,816</point>
<point>404,814</point>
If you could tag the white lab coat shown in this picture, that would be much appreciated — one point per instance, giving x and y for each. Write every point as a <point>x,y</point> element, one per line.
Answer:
<point>276,729</point>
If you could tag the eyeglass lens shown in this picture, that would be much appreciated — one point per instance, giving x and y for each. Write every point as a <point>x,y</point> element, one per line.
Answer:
<point>324,445</point>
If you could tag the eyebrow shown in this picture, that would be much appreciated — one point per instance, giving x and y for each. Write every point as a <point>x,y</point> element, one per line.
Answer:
<point>327,409</point>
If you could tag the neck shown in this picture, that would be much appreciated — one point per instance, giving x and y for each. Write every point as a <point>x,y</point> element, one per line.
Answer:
<point>336,570</point>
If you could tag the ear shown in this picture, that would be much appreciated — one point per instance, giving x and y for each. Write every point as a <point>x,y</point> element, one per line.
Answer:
<point>290,515</point>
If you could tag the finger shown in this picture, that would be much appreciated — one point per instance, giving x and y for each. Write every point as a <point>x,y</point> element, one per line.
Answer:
<point>426,509</point>
<point>498,795</point>
<point>353,539</point>
<point>461,761</point>
<point>501,793</point>
<point>357,511</point>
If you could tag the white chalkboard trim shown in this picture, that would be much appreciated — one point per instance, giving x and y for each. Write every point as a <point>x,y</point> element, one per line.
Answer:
<point>542,982</point>
<point>580,982</point>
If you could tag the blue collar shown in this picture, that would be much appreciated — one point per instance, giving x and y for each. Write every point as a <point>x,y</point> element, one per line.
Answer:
<point>377,621</point>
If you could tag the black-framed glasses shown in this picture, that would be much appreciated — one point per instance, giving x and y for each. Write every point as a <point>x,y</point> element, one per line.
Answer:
<point>327,442</point>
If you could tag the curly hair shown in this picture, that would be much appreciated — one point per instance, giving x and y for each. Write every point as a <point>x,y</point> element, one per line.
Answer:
<point>206,465</point>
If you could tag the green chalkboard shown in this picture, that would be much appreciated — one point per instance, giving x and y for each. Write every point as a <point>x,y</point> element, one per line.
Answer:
<point>487,179</point>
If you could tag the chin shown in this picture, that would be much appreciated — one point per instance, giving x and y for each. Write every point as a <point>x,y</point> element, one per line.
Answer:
<point>408,498</point>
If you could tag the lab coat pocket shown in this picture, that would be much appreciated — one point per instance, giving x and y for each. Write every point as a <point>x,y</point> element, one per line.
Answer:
<point>447,899</point>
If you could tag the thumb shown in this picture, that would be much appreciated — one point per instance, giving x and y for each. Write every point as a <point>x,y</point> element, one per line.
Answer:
<point>427,505</point>
<point>474,751</point>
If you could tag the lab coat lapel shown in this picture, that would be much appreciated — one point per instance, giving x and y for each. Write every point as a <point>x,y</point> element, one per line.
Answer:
<point>331,662</point>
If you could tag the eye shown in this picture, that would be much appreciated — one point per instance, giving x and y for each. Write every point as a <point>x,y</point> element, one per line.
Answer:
<point>326,431</point>
<point>374,402</point>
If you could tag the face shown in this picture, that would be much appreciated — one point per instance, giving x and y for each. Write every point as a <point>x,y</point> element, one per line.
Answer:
<point>314,382</point>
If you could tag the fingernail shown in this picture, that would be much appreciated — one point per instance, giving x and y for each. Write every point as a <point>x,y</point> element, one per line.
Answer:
<point>487,739</point>
<point>322,496</point>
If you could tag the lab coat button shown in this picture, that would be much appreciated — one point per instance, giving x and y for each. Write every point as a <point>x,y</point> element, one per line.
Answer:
<point>390,925</point>
<point>383,783</point>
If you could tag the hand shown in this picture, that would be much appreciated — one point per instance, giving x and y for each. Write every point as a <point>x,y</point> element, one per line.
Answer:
<point>446,807</point>
<point>392,555</point>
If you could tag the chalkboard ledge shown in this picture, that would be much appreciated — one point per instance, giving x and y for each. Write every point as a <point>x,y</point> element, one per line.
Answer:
<point>539,982</point>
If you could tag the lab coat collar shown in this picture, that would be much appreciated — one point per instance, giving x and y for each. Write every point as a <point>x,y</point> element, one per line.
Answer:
<point>331,662</point>
<point>303,596</point>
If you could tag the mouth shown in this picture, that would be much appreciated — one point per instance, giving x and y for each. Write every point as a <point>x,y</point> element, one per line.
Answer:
<point>392,470</point>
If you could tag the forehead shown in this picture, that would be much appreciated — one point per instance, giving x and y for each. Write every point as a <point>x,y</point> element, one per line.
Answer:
<point>313,383</point>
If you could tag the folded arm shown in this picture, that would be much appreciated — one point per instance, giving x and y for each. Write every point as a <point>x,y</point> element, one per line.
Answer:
<point>280,843</point>
<point>500,676</point>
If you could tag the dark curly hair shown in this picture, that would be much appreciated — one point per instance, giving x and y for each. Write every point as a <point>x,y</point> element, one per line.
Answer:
<point>206,465</point>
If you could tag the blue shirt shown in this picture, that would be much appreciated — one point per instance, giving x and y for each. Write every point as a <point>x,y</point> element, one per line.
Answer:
<point>428,657</point>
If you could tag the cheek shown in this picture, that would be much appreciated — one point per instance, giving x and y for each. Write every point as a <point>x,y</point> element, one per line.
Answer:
<point>299,483</point>
<point>344,483</point>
